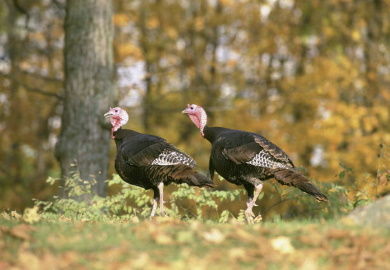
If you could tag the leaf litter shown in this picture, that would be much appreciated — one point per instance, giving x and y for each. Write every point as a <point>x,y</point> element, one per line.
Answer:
<point>170,243</point>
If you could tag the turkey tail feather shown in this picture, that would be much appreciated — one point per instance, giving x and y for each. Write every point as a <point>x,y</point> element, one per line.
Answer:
<point>199,180</point>
<point>187,174</point>
<point>296,179</point>
<point>179,174</point>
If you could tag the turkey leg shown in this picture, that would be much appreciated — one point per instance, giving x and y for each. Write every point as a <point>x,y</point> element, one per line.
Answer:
<point>161,189</point>
<point>154,208</point>
<point>249,215</point>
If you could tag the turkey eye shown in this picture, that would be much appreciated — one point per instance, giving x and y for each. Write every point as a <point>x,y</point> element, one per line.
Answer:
<point>116,110</point>
<point>192,107</point>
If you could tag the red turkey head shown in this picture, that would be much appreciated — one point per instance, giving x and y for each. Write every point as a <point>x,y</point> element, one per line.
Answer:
<point>118,118</point>
<point>197,115</point>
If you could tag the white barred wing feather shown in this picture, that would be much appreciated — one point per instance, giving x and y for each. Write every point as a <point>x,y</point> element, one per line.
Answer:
<point>172,157</point>
<point>265,160</point>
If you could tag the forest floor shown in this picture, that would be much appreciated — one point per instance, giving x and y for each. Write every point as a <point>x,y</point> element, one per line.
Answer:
<point>168,243</point>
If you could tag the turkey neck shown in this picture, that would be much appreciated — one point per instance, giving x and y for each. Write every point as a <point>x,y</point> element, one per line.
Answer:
<point>212,133</point>
<point>120,134</point>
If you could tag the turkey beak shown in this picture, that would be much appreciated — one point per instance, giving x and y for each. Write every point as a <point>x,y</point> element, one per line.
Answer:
<point>107,114</point>
<point>184,111</point>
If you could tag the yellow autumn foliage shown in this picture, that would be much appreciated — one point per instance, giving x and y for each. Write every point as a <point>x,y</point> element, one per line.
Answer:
<point>121,19</point>
<point>309,76</point>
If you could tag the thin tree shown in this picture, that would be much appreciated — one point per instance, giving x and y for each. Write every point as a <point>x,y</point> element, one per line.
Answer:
<point>89,91</point>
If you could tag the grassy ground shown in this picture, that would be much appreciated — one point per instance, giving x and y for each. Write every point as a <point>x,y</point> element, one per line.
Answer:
<point>168,243</point>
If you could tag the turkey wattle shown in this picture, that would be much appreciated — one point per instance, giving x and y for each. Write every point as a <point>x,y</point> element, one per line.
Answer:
<point>245,158</point>
<point>149,161</point>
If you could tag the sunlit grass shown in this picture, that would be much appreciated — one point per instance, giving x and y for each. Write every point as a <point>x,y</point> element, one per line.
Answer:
<point>171,242</point>
<point>115,232</point>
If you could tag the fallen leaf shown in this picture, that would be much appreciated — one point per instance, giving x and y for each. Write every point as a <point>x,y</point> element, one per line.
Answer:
<point>5,265</point>
<point>309,264</point>
<point>339,234</point>
<point>69,259</point>
<point>195,225</point>
<point>185,236</point>
<point>142,260</point>
<point>214,236</point>
<point>3,229</point>
<point>283,245</point>
<point>22,231</point>
<point>28,260</point>
<point>238,254</point>
<point>162,238</point>
<point>244,235</point>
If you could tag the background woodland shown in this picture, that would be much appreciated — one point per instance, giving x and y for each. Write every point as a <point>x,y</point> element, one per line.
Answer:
<point>311,76</point>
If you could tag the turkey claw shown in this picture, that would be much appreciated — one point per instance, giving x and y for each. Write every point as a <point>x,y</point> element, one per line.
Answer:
<point>251,218</point>
<point>258,219</point>
<point>249,215</point>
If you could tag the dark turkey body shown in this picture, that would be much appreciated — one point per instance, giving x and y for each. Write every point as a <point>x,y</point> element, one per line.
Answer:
<point>245,158</point>
<point>237,173</point>
<point>146,160</point>
<point>233,149</point>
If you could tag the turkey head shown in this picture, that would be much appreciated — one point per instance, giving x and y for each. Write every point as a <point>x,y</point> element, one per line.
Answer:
<point>118,118</point>
<point>197,115</point>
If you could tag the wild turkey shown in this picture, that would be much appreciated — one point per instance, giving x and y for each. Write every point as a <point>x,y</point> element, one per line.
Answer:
<point>245,158</point>
<point>149,161</point>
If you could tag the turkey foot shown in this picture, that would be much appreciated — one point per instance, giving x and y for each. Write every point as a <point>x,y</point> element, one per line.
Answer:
<point>258,219</point>
<point>154,209</point>
<point>249,215</point>
<point>251,218</point>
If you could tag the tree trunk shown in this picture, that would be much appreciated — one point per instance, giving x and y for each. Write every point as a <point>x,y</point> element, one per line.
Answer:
<point>14,156</point>
<point>89,91</point>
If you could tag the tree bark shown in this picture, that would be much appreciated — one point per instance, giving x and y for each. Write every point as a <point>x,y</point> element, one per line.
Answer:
<point>89,91</point>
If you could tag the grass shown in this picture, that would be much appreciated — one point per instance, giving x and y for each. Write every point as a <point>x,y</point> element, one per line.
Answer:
<point>170,243</point>
<point>115,233</point>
